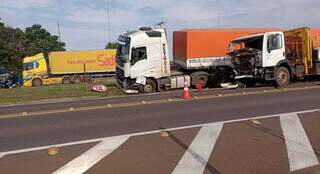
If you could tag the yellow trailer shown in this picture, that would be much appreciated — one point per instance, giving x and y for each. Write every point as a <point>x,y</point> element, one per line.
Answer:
<point>68,66</point>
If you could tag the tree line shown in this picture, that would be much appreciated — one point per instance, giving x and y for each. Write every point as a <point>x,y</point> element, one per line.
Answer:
<point>16,44</point>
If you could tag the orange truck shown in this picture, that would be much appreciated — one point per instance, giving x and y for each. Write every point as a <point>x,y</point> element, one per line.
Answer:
<point>200,55</point>
<point>68,67</point>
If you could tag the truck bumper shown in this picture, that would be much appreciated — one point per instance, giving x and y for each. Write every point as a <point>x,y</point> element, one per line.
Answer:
<point>128,89</point>
<point>27,83</point>
<point>260,73</point>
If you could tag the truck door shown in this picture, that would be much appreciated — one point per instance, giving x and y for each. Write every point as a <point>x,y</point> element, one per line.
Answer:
<point>138,60</point>
<point>275,50</point>
<point>146,61</point>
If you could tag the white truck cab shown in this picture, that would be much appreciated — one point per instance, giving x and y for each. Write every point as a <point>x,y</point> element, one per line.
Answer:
<point>257,56</point>
<point>142,54</point>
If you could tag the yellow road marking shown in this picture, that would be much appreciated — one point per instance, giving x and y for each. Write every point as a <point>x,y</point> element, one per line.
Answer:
<point>119,105</point>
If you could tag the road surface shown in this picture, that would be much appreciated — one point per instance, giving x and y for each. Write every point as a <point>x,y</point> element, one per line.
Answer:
<point>214,133</point>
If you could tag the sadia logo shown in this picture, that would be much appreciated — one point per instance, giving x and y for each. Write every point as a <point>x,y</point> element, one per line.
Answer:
<point>106,60</point>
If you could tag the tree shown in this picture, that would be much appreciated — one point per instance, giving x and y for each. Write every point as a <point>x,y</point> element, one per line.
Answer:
<point>39,40</point>
<point>16,44</point>
<point>12,47</point>
<point>111,45</point>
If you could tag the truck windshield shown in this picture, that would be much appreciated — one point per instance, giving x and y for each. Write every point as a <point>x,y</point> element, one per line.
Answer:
<point>123,53</point>
<point>30,66</point>
<point>254,42</point>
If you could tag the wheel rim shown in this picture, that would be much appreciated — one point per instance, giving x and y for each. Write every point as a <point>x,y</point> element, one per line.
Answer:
<point>66,81</point>
<point>37,82</point>
<point>148,88</point>
<point>282,77</point>
<point>77,80</point>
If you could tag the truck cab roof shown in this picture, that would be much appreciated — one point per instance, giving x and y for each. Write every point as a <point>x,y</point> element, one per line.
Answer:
<point>243,38</point>
<point>33,58</point>
<point>144,34</point>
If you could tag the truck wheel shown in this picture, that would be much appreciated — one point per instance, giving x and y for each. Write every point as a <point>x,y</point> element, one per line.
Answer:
<point>36,82</point>
<point>203,76</point>
<point>66,80</point>
<point>76,79</point>
<point>150,87</point>
<point>282,76</point>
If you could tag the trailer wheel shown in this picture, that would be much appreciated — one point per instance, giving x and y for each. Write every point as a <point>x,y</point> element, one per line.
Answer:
<point>76,79</point>
<point>36,82</point>
<point>149,87</point>
<point>282,76</point>
<point>66,80</point>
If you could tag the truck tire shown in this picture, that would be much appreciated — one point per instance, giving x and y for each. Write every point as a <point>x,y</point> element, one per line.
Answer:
<point>36,82</point>
<point>66,80</point>
<point>76,79</point>
<point>149,87</point>
<point>282,76</point>
<point>203,76</point>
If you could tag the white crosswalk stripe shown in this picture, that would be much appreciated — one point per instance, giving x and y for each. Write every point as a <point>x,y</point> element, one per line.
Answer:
<point>299,149</point>
<point>195,158</point>
<point>92,156</point>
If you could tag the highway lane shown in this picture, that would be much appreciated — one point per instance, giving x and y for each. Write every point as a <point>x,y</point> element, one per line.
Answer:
<point>85,102</point>
<point>40,130</point>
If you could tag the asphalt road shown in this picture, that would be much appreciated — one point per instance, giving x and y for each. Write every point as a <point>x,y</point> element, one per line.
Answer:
<point>85,102</point>
<point>53,128</point>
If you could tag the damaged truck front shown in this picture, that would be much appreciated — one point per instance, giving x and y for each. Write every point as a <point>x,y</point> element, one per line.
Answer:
<point>257,57</point>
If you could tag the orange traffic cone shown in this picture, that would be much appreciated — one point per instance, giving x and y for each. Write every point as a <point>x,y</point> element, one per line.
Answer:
<point>186,92</point>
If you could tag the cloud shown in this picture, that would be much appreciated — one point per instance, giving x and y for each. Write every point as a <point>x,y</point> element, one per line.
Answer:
<point>82,39</point>
<point>89,15</point>
<point>22,4</point>
<point>84,23</point>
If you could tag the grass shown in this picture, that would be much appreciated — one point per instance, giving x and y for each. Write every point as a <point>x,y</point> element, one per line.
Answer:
<point>55,92</point>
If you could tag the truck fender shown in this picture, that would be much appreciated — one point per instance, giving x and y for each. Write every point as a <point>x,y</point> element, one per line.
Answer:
<point>285,63</point>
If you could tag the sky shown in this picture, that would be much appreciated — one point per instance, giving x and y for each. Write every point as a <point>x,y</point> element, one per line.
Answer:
<point>84,24</point>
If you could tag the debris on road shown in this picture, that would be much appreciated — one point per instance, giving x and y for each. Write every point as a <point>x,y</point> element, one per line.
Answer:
<point>229,86</point>
<point>99,88</point>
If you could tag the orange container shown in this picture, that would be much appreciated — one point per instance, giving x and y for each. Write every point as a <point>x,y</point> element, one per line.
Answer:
<point>204,43</point>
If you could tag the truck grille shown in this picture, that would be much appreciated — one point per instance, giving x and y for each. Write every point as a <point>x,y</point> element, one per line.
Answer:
<point>119,73</point>
<point>119,61</point>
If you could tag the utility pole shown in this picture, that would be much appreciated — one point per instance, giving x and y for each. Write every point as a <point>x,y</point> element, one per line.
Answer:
<point>108,21</point>
<point>59,32</point>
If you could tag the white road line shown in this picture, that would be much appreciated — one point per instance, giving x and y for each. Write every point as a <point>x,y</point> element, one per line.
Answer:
<point>299,149</point>
<point>85,161</point>
<point>143,133</point>
<point>195,158</point>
